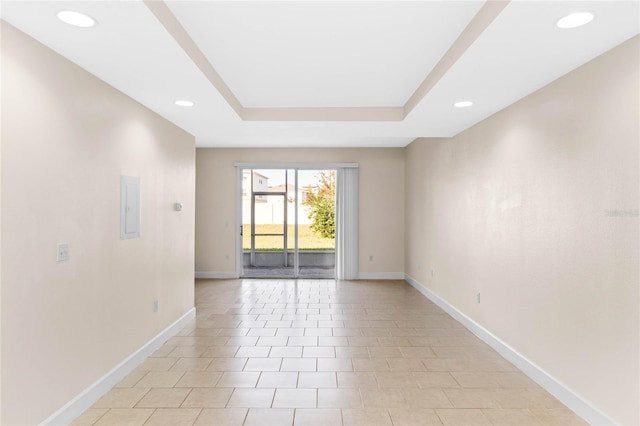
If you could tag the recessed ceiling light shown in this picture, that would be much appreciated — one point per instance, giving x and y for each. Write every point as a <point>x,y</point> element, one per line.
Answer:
<point>463,104</point>
<point>184,103</point>
<point>76,19</point>
<point>575,20</point>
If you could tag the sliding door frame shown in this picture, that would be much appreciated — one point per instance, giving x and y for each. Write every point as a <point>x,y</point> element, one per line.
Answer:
<point>240,166</point>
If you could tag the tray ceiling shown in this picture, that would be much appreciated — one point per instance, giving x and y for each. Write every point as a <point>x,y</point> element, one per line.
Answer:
<point>323,73</point>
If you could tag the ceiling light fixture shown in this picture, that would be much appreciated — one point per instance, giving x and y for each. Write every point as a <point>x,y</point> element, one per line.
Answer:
<point>76,19</point>
<point>463,104</point>
<point>575,20</point>
<point>184,103</point>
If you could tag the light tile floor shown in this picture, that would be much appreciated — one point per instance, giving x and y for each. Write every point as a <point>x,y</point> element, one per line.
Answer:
<point>322,352</point>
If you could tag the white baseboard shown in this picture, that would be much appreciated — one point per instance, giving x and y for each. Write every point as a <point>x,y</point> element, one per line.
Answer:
<point>564,394</point>
<point>216,275</point>
<point>95,391</point>
<point>381,276</point>
<point>361,276</point>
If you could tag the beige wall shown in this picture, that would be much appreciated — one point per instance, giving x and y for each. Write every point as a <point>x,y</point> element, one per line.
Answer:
<point>0,230</point>
<point>66,139</point>
<point>521,208</point>
<point>381,185</point>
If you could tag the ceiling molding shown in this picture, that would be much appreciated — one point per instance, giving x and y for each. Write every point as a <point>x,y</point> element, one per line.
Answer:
<point>480,22</point>
<point>489,11</point>
<point>324,114</point>
<point>180,35</point>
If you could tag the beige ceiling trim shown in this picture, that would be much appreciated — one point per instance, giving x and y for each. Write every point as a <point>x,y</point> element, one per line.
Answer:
<point>480,22</point>
<point>325,114</point>
<point>177,31</point>
<point>485,16</point>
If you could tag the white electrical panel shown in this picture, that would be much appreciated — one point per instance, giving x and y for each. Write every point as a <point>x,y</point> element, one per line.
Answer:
<point>129,207</point>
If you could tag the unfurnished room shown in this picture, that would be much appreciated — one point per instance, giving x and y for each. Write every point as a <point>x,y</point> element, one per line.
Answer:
<point>320,213</point>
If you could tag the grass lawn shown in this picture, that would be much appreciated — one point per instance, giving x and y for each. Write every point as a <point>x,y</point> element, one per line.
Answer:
<point>307,239</point>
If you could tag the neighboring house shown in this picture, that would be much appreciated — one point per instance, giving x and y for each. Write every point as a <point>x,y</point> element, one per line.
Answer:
<point>260,184</point>
<point>270,209</point>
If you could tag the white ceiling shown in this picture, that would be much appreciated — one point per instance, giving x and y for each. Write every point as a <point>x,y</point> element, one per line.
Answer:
<point>324,73</point>
<point>312,54</point>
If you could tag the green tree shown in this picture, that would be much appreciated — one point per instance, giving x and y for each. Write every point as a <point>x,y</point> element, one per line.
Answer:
<point>321,201</point>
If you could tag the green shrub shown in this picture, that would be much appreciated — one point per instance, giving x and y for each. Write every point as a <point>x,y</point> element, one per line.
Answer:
<point>321,201</point>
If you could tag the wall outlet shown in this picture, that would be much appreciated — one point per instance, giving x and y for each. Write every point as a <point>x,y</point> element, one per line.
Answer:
<point>226,257</point>
<point>478,297</point>
<point>432,273</point>
<point>370,258</point>
<point>63,252</point>
<point>155,306</point>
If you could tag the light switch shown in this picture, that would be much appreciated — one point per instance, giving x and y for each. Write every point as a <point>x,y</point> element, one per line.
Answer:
<point>63,252</point>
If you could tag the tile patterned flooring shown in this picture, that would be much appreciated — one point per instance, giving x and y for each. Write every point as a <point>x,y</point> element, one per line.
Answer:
<point>322,352</point>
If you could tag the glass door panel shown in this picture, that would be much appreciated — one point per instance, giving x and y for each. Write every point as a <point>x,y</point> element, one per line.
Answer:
<point>316,223</point>
<point>279,235</point>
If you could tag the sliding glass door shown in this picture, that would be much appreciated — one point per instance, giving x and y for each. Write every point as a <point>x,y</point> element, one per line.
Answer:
<point>288,223</point>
